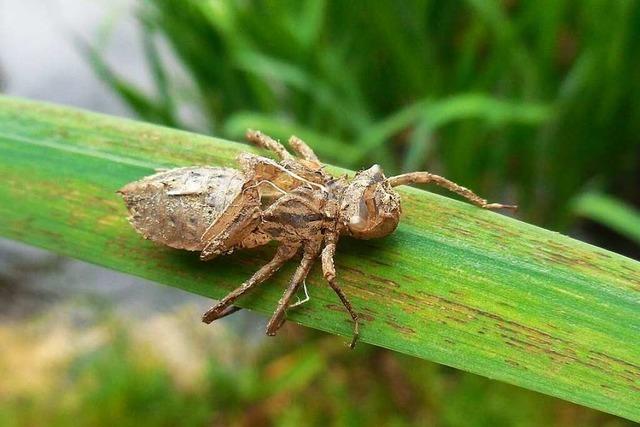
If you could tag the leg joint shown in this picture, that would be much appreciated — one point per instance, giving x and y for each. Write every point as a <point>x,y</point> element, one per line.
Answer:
<point>330,277</point>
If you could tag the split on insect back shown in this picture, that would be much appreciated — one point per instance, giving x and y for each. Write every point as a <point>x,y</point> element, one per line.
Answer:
<point>294,201</point>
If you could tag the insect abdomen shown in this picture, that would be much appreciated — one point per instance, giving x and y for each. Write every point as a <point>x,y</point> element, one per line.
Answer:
<point>177,206</point>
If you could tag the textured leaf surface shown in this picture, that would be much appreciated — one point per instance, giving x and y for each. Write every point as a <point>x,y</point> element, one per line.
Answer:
<point>455,284</point>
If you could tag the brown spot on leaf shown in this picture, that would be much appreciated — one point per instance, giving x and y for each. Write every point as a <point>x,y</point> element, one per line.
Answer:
<point>400,328</point>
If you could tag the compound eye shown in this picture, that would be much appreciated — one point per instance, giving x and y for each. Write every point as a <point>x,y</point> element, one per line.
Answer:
<point>356,221</point>
<point>376,174</point>
<point>359,220</point>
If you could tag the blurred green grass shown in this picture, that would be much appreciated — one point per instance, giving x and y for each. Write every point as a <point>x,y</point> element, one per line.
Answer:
<point>308,379</point>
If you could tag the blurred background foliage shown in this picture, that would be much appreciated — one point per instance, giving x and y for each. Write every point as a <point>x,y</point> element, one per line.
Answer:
<point>117,374</point>
<point>533,102</point>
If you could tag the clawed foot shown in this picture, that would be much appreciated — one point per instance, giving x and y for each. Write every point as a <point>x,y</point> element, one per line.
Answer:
<point>499,206</point>
<point>215,313</point>
<point>356,334</point>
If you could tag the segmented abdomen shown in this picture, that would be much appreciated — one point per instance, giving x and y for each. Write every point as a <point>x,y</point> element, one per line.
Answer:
<point>177,206</point>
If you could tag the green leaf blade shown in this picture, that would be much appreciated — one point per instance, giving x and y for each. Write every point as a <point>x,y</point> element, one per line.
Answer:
<point>455,284</point>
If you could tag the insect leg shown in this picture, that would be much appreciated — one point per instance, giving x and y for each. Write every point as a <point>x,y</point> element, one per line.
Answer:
<point>428,178</point>
<point>300,274</point>
<point>303,150</point>
<point>264,141</point>
<point>329,271</point>
<point>229,311</point>
<point>283,254</point>
<point>236,231</point>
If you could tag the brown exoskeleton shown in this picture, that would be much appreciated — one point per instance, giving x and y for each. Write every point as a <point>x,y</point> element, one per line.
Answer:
<point>294,202</point>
